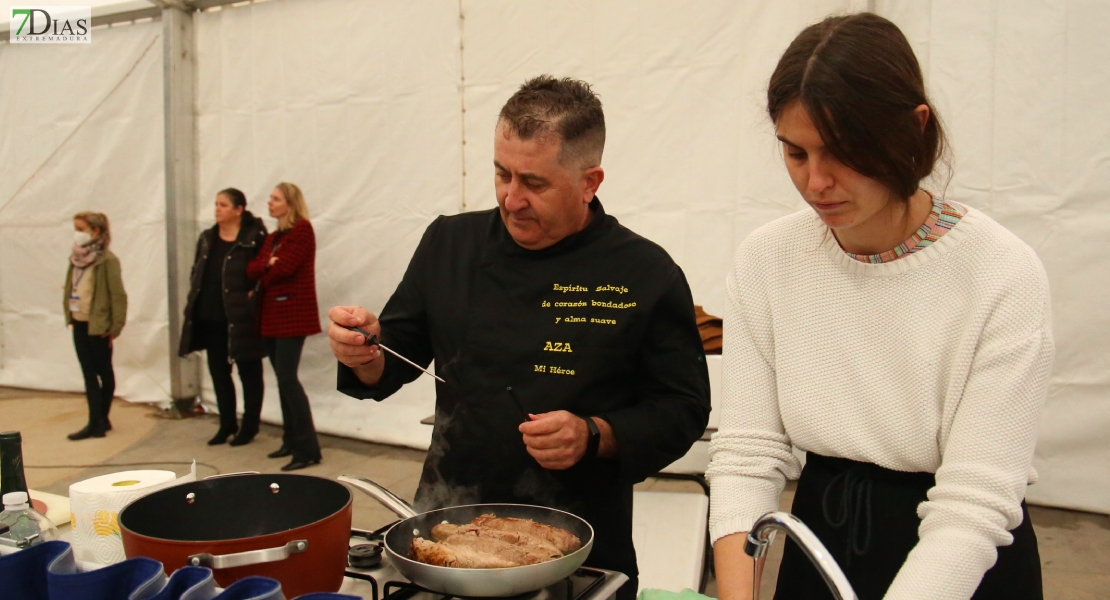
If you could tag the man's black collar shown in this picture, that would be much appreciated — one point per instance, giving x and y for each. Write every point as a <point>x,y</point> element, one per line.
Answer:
<point>598,225</point>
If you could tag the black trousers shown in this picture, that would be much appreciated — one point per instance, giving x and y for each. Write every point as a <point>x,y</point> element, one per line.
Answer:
<point>296,414</point>
<point>214,337</point>
<point>95,355</point>
<point>866,516</point>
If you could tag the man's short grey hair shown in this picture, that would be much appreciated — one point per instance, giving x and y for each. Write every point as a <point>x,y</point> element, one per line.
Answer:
<point>568,107</point>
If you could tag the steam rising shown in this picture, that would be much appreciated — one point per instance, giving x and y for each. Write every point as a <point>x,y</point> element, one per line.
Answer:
<point>434,491</point>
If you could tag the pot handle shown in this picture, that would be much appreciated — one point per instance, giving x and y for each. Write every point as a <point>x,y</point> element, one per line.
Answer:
<point>387,498</point>
<point>253,557</point>
<point>231,474</point>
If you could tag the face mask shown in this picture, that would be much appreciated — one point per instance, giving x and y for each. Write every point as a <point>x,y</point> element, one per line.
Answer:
<point>81,238</point>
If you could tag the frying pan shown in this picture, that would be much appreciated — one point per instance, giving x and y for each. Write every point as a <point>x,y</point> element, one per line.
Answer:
<point>474,582</point>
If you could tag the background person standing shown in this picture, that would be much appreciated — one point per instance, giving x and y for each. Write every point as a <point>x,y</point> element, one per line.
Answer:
<point>95,306</point>
<point>286,271</point>
<point>220,314</point>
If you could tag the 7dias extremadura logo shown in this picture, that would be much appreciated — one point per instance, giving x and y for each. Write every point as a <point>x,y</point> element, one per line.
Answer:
<point>51,25</point>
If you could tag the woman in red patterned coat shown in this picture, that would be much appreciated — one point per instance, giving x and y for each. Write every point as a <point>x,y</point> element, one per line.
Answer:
<point>286,271</point>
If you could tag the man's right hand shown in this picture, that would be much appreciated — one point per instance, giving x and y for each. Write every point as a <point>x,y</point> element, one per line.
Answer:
<point>349,347</point>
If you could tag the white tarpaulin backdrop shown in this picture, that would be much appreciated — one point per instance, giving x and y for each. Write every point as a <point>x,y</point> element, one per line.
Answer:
<point>81,129</point>
<point>383,113</point>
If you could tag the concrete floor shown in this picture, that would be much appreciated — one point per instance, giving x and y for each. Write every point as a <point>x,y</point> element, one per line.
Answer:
<point>1074,546</point>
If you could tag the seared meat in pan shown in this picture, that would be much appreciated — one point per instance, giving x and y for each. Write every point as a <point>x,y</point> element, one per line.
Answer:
<point>490,542</point>
<point>533,548</point>
<point>562,539</point>
<point>455,556</point>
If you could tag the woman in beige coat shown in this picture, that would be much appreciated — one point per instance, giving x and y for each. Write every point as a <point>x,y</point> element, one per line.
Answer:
<point>95,306</point>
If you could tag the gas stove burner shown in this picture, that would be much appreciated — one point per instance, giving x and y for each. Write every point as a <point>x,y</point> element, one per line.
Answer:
<point>364,556</point>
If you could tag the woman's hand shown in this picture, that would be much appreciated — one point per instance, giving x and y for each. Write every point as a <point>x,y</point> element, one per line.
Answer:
<point>273,259</point>
<point>734,568</point>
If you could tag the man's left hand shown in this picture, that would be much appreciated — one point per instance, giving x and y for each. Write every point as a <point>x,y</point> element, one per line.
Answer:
<point>557,440</point>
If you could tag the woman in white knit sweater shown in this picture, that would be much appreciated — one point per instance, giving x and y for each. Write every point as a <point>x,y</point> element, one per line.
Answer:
<point>902,341</point>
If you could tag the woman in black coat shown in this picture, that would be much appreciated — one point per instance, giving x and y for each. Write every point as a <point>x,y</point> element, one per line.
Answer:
<point>219,315</point>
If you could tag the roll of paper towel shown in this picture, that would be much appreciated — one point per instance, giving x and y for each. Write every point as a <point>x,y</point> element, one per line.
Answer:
<point>95,505</point>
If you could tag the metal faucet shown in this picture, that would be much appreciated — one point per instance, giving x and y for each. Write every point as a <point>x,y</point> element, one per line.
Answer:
<point>762,534</point>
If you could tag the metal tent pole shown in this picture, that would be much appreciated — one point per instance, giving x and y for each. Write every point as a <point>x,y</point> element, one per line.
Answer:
<point>179,93</point>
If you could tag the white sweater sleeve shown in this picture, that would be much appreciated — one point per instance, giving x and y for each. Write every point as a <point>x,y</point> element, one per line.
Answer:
<point>750,455</point>
<point>985,462</point>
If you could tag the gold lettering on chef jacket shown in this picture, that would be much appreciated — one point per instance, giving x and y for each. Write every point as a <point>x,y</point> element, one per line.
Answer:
<point>557,347</point>
<point>552,370</point>
<point>612,304</point>
<point>569,288</point>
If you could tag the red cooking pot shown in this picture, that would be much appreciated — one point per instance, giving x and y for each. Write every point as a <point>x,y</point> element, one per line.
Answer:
<point>293,528</point>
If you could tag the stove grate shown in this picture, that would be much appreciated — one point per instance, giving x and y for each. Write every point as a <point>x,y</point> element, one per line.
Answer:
<point>367,578</point>
<point>377,536</point>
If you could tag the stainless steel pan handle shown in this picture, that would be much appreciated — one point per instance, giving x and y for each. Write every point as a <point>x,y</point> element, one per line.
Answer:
<point>253,557</point>
<point>387,498</point>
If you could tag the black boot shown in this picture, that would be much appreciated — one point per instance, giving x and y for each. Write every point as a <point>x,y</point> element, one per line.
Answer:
<point>300,463</point>
<point>242,438</point>
<point>281,452</point>
<point>221,436</point>
<point>88,432</point>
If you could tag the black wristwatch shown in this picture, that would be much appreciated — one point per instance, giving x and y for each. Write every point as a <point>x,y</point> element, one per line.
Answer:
<point>595,439</point>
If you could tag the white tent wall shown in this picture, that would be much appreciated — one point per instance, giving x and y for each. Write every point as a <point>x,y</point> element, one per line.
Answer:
<point>362,112</point>
<point>82,130</point>
<point>1024,93</point>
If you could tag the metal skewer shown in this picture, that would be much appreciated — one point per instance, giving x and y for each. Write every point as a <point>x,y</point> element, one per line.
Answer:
<point>372,340</point>
<point>519,406</point>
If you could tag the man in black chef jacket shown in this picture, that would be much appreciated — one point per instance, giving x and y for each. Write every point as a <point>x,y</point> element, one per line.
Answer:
<point>547,297</point>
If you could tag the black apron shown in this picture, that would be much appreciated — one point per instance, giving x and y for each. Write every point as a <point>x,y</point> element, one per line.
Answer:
<point>866,516</point>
